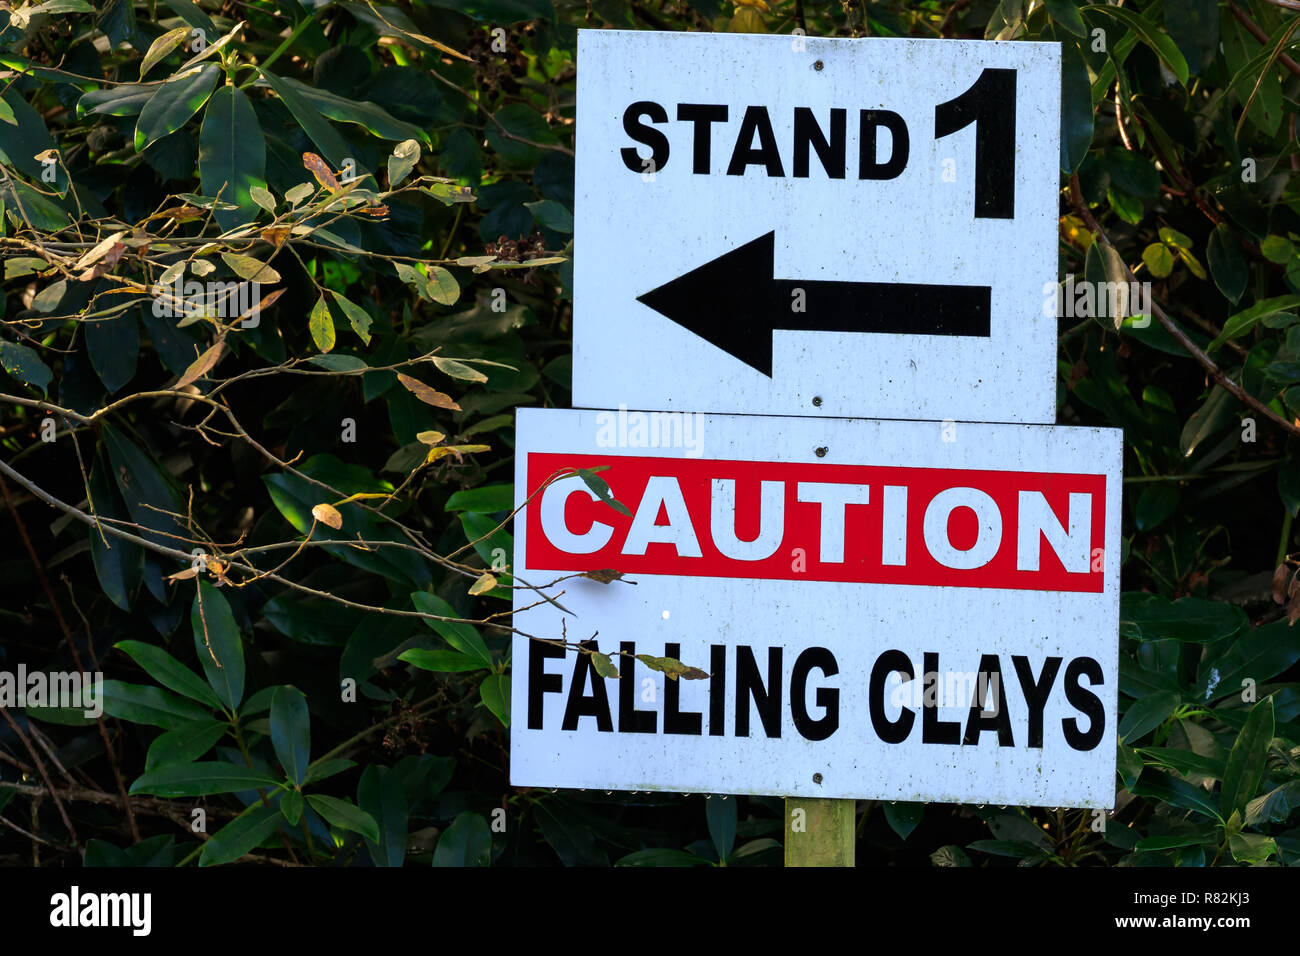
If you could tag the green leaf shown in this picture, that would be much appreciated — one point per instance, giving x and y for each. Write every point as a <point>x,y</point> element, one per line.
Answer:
<point>338,363</point>
<point>291,732</point>
<point>201,779</point>
<point>291,806</point>
<point>1149,617</point>
<point>218,644</point>
<point>403,159</point>
<point>150,705</point>
<point>185,744</point>
<point>1259,654</point>
<point>511,137</point>
<point>324,769</point>
<point>119,564</point>
<point>441,661</point>
<point>169,672</point>
<point>721,816</point>
<point>1278,249</point>
<point>495,694</point>
<point>1208,420</point>
<point>1156,503</point>
<point>602,491</point>
<point>240,836</point>
<point>1246,760</point>
<point>662,856</point>
<point>22,140</point>
<point>1251,848</point>
<point>332,146</point>
<point>345,815</point>
<point>1242,322</point>
<point>903,817</point>
<point>380,794</point>
<point>174,102</point>
<point>467,842</point>
<point>357,316</point>
<point>464,637</point>
<point>1066,13</point>
<point>1145,715</point>
<point>1193,25</point>
<point>1228,263</point>
<point>321,324</point>
<point>551,214</point>
<point>1179,793</point>
<point>1192,836</point>
<point>232,155</point>
<point>1159,261</point>
<point>25,365</point>
<point>485,499</point>
<point>1076,103</point>
<point>1147,32</point>
<point>1183,761</point>
<point>363,113</point>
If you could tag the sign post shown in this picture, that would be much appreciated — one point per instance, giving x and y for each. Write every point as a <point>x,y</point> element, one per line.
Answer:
<point>818,533</point>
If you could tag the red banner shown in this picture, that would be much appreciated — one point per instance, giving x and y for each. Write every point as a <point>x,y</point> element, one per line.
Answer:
<point>822,522</point>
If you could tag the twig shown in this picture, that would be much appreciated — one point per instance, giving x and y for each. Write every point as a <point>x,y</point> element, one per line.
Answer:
<point>1081,207</point>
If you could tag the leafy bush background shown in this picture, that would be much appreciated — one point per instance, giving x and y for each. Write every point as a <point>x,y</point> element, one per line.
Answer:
<point>164,157</point>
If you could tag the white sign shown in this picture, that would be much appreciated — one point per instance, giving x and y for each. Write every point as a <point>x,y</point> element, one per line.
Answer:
<point>877,609</point>
<point>795,225</point>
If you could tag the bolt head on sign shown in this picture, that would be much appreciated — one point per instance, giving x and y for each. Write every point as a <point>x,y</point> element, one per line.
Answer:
<point>901,617</point>
<point>869,221</point>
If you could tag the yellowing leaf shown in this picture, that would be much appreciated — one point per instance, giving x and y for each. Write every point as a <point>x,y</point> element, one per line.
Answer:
<point>671,667</point>
<point>316,166</point>
<point>321,324</point>
<point>604,666</point>
<point>430,438</point>
<point>202,365</point>
<point>161,47</point>
<point>458,370</point>
<point>357,316</point>
<point>486,582</point>
<point>458,450</point>
<point>327,514</point>
<point>250,269</point>
<point>426,394</point>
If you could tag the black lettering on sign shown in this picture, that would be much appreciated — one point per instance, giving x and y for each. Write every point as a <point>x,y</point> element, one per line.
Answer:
<point>829,151</point>
<point>1085,702</point>
<point>756,122</point>
<point>646,135</point>
<point>827,698</point>
<point>703,117</point>
<point>988,681</point>
<point>934,730</point>
<point>582,704</point>
<point>675,720</point>
<point>540,682</point>
<point>1036,692</point>
<point>631,720</point>
<point>990,104</point>
<point>717,690</point>
<point>900,146</point>
<point>890,731</point>
<point>749,686</point>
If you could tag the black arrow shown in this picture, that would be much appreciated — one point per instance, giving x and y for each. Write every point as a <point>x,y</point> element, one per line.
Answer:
<point>735,303</point>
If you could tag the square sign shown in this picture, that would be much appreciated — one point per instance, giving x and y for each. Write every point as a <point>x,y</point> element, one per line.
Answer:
<point>793,225</point>
<point>875,609</point>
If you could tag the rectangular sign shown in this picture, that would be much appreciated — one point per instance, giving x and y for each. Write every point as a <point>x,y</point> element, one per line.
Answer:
<point>838,227</point>
<point>882,609</point>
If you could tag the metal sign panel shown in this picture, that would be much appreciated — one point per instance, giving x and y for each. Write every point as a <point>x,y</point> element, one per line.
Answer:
<point>790,225</point>
<point>883,609</point>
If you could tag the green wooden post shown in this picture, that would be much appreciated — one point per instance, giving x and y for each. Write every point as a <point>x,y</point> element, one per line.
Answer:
<point>819,832</point>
